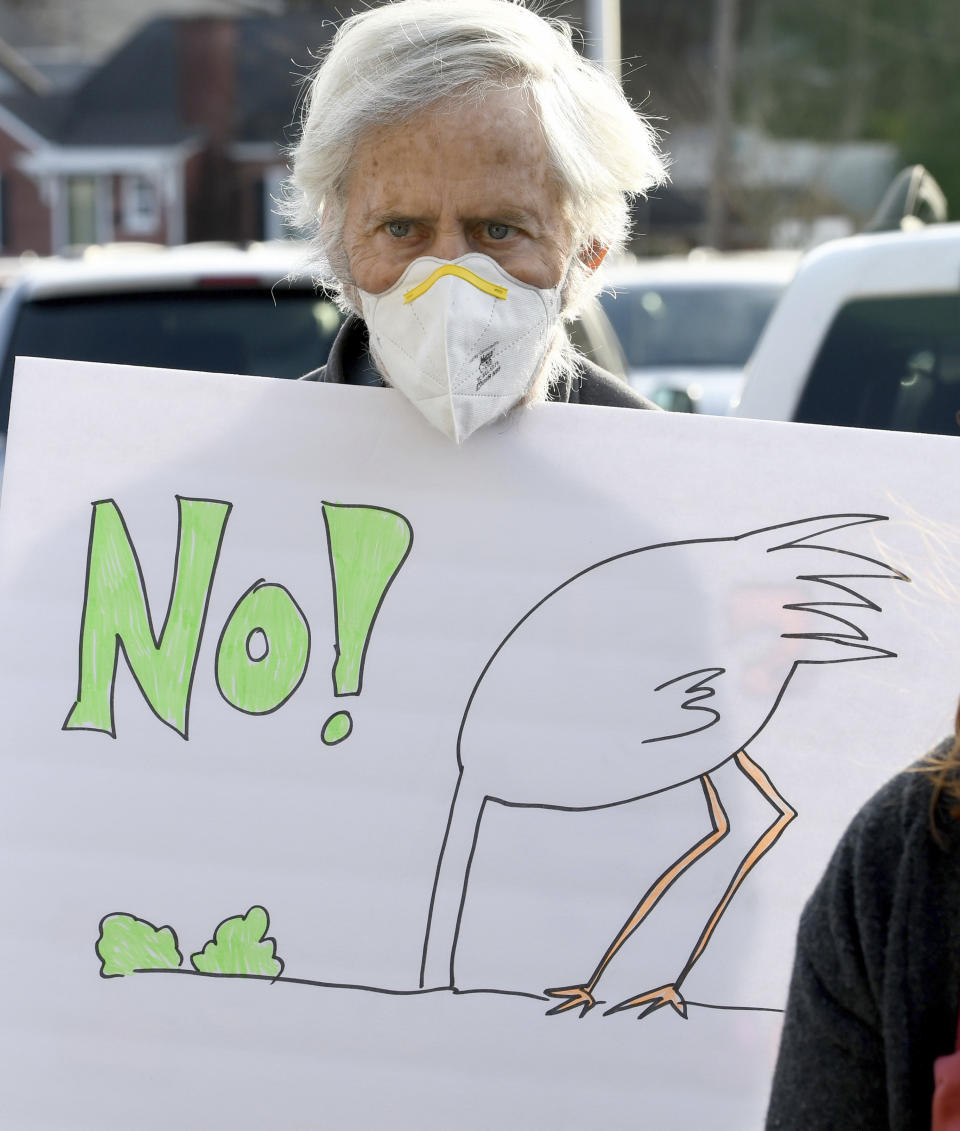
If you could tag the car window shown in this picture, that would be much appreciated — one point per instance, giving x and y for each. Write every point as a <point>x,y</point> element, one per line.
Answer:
<point>285,333</point>
<point>595,338</point>
<point>889,362</point>
<point>689,324</point>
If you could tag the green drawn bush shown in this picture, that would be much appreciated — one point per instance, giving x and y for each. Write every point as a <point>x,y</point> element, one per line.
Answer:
<point>239,946</point>
<point>128,944</point>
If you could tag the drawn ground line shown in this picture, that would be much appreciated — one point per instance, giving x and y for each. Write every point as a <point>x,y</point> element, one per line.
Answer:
<point>424,992</point>
<point>336,985</point>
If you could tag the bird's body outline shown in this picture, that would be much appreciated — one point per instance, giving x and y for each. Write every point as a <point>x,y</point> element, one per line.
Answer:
<point>698,690</point>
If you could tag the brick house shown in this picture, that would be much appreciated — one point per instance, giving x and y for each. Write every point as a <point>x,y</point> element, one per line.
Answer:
<point>178,136</point>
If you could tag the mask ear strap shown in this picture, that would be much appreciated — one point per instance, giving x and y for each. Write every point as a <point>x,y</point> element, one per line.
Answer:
<point>593,255</point>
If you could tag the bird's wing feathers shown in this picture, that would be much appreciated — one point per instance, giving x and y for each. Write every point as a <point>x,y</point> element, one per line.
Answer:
<point>692,692</point>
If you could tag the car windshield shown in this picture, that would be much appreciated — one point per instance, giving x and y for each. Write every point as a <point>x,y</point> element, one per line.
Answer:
<point>283,333</point>
<point>689,324</point>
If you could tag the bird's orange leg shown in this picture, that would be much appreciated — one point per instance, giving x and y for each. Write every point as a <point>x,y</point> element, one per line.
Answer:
<point>786,813</point>
<point>581,997</point>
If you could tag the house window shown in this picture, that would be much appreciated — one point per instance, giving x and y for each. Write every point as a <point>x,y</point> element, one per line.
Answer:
<point>141,204</point>
<point>81,210</point>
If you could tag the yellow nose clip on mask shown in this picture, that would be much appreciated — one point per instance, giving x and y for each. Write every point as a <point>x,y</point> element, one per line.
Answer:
<point>468,276</point>
<point>461,355</point>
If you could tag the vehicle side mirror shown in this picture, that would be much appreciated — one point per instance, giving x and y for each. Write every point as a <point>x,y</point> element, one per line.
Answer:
<point>913,195</point>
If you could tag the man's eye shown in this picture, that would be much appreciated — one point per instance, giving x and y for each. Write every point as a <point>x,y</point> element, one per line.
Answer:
<point>498,231</point>
<point>399,228</point>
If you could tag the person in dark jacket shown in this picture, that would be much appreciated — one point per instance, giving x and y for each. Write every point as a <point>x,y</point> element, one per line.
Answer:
<point>349,363</point>
<point>462,172</point>
<point>876,980</point>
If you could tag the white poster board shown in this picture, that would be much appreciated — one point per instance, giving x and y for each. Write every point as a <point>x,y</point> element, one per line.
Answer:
<point>217,900</point>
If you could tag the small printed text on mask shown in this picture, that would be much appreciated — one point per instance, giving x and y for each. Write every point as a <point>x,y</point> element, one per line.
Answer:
<point>489,367</point>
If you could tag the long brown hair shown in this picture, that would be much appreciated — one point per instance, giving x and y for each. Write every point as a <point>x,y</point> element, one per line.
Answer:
<point>943,769</point>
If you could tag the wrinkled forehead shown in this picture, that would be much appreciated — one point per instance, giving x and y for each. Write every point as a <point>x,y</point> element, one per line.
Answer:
<point>485,152</point>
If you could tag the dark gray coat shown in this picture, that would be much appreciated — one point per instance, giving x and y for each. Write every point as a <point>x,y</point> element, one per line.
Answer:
<point>349,363</point>
<point>876,980</point>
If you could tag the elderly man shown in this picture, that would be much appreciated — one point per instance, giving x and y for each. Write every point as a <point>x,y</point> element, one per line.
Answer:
<point>463,171</point>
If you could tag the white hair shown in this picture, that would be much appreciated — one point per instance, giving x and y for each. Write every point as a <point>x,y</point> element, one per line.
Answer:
<point>391,62</point>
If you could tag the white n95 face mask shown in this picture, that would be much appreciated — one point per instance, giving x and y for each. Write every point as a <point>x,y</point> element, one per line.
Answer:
<point>462,340</point>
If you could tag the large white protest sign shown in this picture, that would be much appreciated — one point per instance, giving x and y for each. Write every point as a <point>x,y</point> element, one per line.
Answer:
<point>311,715</point>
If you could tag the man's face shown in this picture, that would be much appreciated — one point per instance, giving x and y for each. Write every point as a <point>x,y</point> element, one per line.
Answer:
<point>448,182</point>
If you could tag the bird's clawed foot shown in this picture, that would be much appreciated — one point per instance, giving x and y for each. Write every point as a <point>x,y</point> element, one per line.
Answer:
<point>653,1000</point>
<point>572,997</point>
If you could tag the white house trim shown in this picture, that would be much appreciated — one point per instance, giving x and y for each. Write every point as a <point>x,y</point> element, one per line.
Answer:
<point>83,160</point>
<point>174,203</point>
<point>53,194</point>
<point>18,129</point>
<point>104,209</point>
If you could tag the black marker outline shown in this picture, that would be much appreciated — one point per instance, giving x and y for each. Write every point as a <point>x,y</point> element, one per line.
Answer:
<point>703,690</point>
<point>384,991</point>
<point>324,504</point>
<point>842,632</point>
<point>153,927</point>
<point>259,584</point>
<point>343,737</point>
<point>837,629</point>
<point>157,640</point>
<point>212,941</point>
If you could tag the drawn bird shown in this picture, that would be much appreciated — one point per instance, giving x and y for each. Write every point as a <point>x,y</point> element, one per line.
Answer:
<point>619,665</point>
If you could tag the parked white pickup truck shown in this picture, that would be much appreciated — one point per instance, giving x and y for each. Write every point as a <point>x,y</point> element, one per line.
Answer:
<point>867,334</point>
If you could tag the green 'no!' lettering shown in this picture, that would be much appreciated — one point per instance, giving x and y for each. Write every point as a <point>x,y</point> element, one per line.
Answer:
<point>116,615</point>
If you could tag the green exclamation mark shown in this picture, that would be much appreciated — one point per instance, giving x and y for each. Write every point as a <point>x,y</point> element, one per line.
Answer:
<point>367,546</point>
